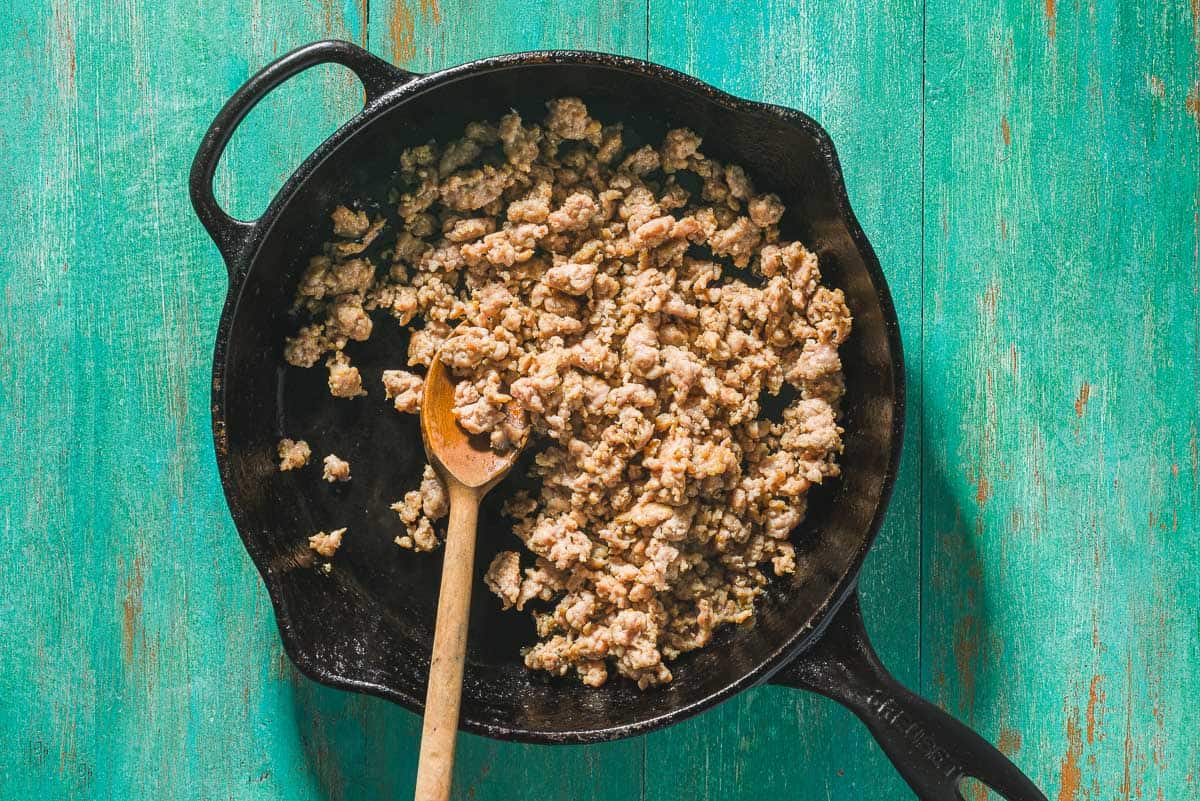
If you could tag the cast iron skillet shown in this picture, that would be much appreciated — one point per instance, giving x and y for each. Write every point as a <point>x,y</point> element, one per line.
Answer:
<point>367,626</point>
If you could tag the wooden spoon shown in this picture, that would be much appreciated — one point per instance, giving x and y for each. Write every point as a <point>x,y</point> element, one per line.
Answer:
<point>469,468</point>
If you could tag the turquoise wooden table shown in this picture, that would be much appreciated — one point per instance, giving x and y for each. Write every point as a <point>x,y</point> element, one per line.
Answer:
<point>1029,173</point>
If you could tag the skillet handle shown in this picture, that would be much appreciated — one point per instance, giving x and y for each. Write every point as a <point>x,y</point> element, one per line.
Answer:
<point>933,751</point>
<point>232,235</point>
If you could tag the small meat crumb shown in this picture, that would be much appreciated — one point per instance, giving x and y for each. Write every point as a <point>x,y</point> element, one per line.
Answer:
<point>326,544</point>
<point>336,469</point>
<point>503,577</point>
<point>305,349</point>
<point>293,454</point>
<point>568,118</point>
<point>344,379</point>
<point>418,511</point>
<point>404,390</point>
<point>349,224</point>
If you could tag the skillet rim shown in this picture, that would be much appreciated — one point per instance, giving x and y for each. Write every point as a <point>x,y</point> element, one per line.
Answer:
<point>242,257</point>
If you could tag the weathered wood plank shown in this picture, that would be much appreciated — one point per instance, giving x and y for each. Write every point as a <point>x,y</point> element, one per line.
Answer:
<point>45,690</point>
<point>1060,598</point>
<point>1055,479</point>
<point>424,35</point>
<point>857,69</point>
<point>140,659</point>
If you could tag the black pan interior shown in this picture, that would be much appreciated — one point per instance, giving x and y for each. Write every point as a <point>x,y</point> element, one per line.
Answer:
<point>368,624</point>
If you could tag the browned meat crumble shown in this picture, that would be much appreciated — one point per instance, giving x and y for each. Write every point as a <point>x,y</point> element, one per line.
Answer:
<point>336,469</point>
<point>293,454</point>
<point>403,389</point>
<point>581,291</point>
<point>419,509</point>
<point>326,544</point>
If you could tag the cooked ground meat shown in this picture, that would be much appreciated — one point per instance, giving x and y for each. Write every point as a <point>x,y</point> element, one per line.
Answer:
<point>418,511</point>
<point>293,453</point>
<point>349,224</point>
<point>344,379</point>
<point>503,577</point>
<point>404,390</point>
<point>326,544</point>
<point>336,469</point>
<point>580,292</point>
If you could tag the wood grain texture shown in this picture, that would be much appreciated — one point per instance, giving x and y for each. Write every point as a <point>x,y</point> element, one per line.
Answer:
<point>448,656</point>
<point>140,659</point>
<point>1060,597</point>
<point>1028,173</point>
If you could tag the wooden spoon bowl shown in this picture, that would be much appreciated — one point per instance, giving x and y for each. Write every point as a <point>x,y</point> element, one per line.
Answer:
<point>457,455</point>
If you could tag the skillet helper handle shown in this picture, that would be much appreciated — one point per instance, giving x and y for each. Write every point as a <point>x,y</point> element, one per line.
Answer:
<point>931,750</point>
<point>232,235</point>
<point>439,731</point>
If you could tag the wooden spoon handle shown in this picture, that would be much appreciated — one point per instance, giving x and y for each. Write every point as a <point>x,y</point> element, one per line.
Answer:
<point>436,766</point>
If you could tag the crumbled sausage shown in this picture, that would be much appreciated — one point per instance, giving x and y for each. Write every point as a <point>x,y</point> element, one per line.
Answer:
<point>326,544</point>
<point>349,224</point>
<point>503,577</point>
<point>404,390</point>
<point>568,118</point>
<point>344,378</point>
<point>678,146</point>
<point>418,511</point>
<point>765,210</point>
<point>520,143</point>
<point>571,278</point>
<point>336,469</point>
<point>293,454</point>
<point>348,320</point>
<point>582,296</point>
<point>575,214</point>
<point>327,278</point>
<point>641,161</point>
<point>306,347</point>
<point>474,189</point>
